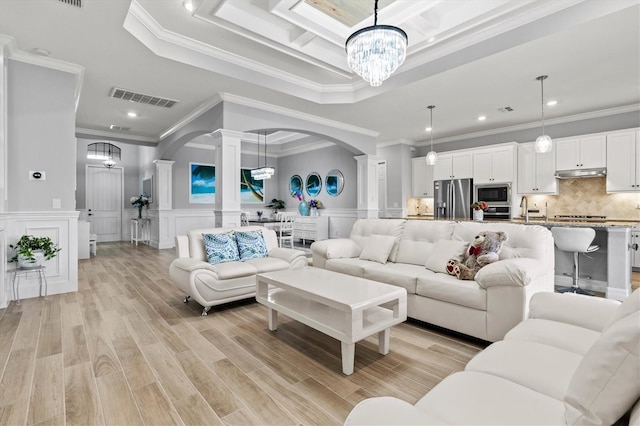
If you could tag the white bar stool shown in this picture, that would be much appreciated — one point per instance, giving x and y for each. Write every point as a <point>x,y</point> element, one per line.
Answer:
<point>576,240</point>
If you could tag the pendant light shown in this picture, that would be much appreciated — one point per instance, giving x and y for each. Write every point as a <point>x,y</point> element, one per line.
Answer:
<point>104,151</point>
<point>376,52</point>
<point>543,143</point>
<point>432,156</point>
<point>262,173</point>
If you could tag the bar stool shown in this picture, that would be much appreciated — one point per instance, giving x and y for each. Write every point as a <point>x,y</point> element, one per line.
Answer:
<point>576,240</point>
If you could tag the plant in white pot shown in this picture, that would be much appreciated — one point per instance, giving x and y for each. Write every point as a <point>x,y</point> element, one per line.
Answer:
<point>31,251</point>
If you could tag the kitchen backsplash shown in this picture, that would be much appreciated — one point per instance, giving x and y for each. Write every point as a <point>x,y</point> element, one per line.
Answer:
<point>587,197</point>
<point>576,196</point>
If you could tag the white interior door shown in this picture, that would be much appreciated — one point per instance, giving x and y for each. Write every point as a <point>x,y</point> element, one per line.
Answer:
<point>104,202</point>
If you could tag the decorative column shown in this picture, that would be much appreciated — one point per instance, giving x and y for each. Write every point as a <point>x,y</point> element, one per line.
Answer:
<point>367,181</point>
<point>227,155</point>
<point>163,199</point>
<point>618,262</point>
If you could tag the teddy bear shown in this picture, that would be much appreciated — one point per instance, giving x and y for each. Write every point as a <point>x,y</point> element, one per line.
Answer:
<point>483,250</point>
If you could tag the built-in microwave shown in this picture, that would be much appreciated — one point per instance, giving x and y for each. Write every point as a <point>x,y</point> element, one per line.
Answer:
<point>494,194</point>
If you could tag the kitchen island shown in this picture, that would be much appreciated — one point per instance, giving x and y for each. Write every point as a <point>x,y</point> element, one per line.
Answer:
<point>610,267</point>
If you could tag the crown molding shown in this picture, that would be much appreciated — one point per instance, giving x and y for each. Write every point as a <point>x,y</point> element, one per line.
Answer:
<point>55,64</point>
<point>114,136</point>
<point>239,100</point>
<point>204,107</point>
<point>548,122</point>
<point>397,142</point>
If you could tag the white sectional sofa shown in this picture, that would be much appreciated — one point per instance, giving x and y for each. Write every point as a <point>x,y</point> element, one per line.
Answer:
<point>212,285</point>
<point>486,308</point>
<point>576,361</point>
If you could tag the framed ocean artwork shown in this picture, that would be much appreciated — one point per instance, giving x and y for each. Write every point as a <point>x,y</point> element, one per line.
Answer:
<point>202,183</point>
<point>251,190</point>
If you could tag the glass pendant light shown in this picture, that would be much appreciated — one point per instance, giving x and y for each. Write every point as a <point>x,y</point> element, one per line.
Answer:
<point>374,53</point>
<point>432,156</point>
<point>543,143</point>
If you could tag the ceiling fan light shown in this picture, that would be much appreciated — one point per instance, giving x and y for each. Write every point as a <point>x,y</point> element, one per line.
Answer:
<point>432,158</point>
<point>543,144</point>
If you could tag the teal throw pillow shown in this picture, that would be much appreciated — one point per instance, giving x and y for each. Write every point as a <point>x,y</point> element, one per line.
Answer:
<point>251,245</point>
<point>221,247</point>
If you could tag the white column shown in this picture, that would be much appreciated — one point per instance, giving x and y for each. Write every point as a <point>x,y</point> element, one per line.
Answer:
<point>618,263</point>
<point>367,181</point>
<point>227,155</point>
<point>163,199</point>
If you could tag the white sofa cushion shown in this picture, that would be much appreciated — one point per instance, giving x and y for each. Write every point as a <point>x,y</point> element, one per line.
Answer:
<point>268,264</point>
<point>442,252</point>
<point>352,266</point>
<point>363,229</point>
<point>607,380</point>
<point>448,288</point>
<point>418,240</point>
<point>400,274</point>
<point>561,335</point>
<point>630,305</point>
<point>378,247</point>
<point>384,411</point>
<point>540,367</point>
<point>473,398</point>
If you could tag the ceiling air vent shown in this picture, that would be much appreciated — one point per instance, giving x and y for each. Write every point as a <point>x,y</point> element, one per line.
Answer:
<point>505,109</point>
<point>76,3</point>
<point>121,128</point>
<point>141,98</point>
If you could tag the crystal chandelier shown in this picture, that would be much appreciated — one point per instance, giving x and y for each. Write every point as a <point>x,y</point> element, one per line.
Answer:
<point>105,151</point>
<point>262,173</point>
<point>543,143</point>
<point>375,52</point>
<point>432,156</point>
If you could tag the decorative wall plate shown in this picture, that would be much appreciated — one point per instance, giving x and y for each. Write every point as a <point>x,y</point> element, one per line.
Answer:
<point>313,184</point>
<point>334,182</point>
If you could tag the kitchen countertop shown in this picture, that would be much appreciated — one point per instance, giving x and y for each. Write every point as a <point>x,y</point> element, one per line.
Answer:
<point>550,222</point>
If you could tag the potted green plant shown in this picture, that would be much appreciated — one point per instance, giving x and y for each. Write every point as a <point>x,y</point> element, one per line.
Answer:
<point>31,251</point>
<point>276,205</point>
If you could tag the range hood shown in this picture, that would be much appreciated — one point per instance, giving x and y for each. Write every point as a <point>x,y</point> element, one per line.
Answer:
<point>581,173</point>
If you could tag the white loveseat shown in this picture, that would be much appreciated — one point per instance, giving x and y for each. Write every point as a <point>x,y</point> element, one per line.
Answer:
<point>576,361</point>
<point>486,308</point>
<point>212,285</point>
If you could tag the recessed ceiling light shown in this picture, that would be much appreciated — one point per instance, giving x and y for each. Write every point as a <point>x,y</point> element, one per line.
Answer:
<point>188,4</point>
<point>132,114</point>
<point>552,103</point>
<point>427,129</point>
<point>482,118</point>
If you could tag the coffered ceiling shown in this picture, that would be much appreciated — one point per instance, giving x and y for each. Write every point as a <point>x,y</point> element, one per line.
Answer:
<point>469,58</point>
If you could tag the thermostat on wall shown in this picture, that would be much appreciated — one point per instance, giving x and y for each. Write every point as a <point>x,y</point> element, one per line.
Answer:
<point>37,175</point>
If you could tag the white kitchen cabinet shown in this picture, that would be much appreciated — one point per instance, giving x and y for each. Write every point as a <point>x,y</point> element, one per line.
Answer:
<point>623,161</point>
<point>314,228</point>
<point>454,166</point>
<point>536,172</point>
<point>585,152</point>
<point>493,165</point>
<point>422,178</point>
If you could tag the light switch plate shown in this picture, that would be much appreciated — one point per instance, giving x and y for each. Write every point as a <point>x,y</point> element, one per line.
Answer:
<point>57,203</point>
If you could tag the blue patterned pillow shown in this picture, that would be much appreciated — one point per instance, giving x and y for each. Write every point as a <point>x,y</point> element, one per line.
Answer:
<point>221,247</point>
<point>251,244</point>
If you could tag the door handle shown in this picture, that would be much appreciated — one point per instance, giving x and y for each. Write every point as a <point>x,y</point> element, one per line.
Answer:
<point>90,214</point>
<point>634,246</point>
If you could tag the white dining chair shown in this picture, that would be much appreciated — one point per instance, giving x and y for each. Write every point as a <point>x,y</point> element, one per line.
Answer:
<point>285,232</point>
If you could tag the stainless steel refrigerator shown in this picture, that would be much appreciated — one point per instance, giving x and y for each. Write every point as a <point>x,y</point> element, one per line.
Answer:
<point>452,198</point>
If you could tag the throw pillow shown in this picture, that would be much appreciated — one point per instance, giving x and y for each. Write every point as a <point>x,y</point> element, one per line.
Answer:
<point>378,248</point>
<point>443,251</point>
<point>221,247</point>
<point>607,380</point>
<point>251,245</point>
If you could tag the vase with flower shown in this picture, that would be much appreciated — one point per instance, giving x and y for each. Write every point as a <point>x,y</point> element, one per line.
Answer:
<point>479,207</point>
<point>315,205</point>
<point>139,202</point>
<point>303,207</point>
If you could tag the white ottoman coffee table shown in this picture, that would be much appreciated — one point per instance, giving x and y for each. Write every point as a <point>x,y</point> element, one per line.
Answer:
<point>341,306</point>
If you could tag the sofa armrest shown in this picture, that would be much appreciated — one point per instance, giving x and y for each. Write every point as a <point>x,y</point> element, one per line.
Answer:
<point>189,264</point>
<point>337,248</point>
<point>182,245</point>
<point>387,410</point>
<point>576,309</point>
<point>296,258</point>
<point>510,272</point>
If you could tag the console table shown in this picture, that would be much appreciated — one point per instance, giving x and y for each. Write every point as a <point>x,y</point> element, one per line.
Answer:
<point>141,230</point>
<point>313,228</point>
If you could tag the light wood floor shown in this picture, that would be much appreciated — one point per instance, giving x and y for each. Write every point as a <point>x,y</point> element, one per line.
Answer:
<point>125,350</point>
<point>635,280</point>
